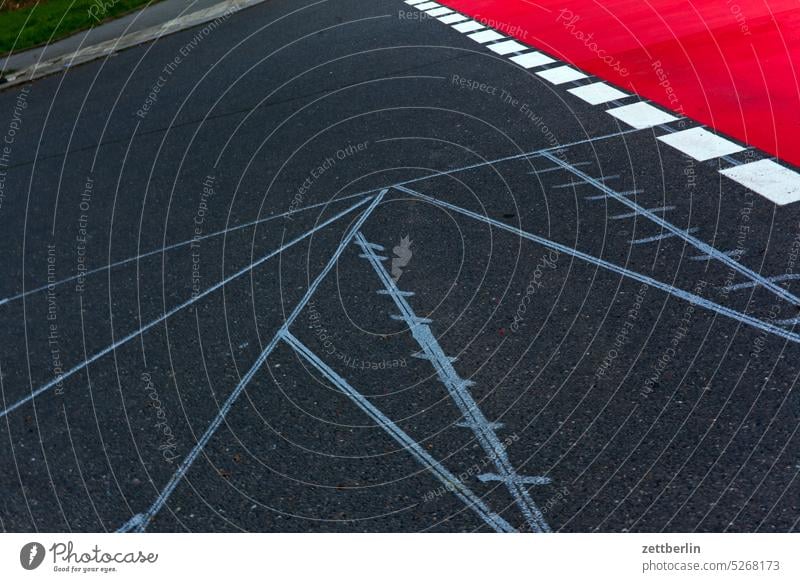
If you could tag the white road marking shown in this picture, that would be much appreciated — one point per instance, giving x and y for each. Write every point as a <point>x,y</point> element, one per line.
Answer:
<point>700,144</point>
<point>427,5</point>
<point>597,93</point>
<point>439,11</point>
<point>458,390</point>
<point>452,482</point>
<point>468,26</point>
<point>641,115</point>
<point>485,36</point>
<point>560,75</point>
<point>507,47</point>
<point>413,2</point>
<point>452,18</point>
<point>187,462</point>
<point>534,59</point>
<point>772,181</point>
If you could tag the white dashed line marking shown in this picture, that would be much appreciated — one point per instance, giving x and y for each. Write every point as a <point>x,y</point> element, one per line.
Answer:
<point>452,18</point>
<point>531,60</point>
<point>641,115</point>
<point>561,75</point>
<point>468,26</point>
<point>439,11</point>
<point>700,144</point>
<point>485,36</point>
<point>765,177</point>
<point>772,181</point>
<point>597,93</point>
<point>507,47</point>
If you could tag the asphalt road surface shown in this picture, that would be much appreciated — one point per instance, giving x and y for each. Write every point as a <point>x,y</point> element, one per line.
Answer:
<point>336,266</point>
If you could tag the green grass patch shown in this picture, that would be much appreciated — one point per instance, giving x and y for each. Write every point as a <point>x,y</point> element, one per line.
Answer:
<point>49,20</point>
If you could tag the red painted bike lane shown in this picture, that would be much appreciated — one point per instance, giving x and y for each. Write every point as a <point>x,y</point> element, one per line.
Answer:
<point>730,64</point>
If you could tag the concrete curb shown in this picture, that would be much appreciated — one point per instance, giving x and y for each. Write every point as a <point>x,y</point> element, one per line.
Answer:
<point>218,12</point>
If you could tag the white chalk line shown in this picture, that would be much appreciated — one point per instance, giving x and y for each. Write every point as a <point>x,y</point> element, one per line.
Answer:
<point>57,380</point>
<point>229,402</point>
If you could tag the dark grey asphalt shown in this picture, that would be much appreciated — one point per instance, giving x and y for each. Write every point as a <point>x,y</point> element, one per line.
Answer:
<point>647,413</point>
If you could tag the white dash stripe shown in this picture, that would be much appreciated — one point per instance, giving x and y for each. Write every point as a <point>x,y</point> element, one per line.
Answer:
<point>485,36</point>
<point>452,18</point>
<point>772,181</point>
<point>427,5</point>
<point>561,75</point>
<point>439,11</point>
<point>700,144</point>
<point>531,60</point>
<point>597,93</point>
<point>468,26</point>
<point>507,47</point>
<point>641,115</point>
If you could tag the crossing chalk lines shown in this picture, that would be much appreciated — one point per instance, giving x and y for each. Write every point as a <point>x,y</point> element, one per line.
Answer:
<point>186,464</point>
<point>78,367</point>
<point>776,183</point>
<point>457,387</point>
<point>602,263</point>
<point>451,482</point>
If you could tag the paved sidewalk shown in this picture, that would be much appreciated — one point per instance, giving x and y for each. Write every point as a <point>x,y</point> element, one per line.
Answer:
<point>148,16</point>
<point>91,50</point>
